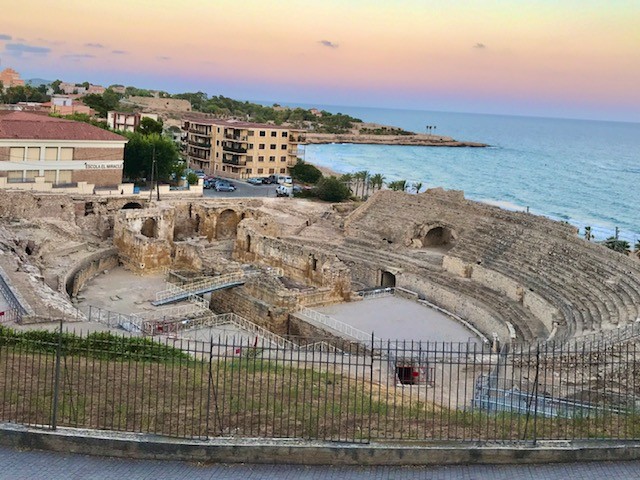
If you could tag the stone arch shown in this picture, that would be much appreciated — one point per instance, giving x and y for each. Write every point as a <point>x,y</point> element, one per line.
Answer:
<point>131,206</point>
<point>387,279</point>
<point>227,224</point>
<point>437,236</point>
<point>149,228</point>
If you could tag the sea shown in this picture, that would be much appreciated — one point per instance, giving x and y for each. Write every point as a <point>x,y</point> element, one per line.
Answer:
<point>583,172</point>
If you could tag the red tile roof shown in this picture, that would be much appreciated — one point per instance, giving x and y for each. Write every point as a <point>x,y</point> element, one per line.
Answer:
<point>34,126</point>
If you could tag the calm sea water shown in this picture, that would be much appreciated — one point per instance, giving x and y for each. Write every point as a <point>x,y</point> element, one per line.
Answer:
<point>582,172</point>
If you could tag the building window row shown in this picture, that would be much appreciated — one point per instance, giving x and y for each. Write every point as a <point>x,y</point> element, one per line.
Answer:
<point>36,154</point>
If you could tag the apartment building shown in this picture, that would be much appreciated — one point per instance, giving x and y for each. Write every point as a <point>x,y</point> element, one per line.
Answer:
<point>10,78</point>
<point>127,121</point>
<point>240,149</point>
<point>37,148</point>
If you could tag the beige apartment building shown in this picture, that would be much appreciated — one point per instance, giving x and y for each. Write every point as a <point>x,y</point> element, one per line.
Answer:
<point>240,149</point>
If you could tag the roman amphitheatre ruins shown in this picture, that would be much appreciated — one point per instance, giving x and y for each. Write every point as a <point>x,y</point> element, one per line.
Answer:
<point>507,275</point>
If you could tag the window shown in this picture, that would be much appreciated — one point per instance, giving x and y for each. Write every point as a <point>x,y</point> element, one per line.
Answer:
<point>51,154</point>
<point>217,154</point>
<point>260,170</point>
<point>272,170</point>
<point>250,133</point>
<point>261,146</point>
<point>50,175</point>
<point>261,158</point>
<point>283,146</point>
<point>250,146</point>
<point>263,133</point>
<point>272,159</point>
<point>283,170</point>
<point>218,129</point>
<point>285,134</point>
<point>249,158</point>
<point>33,154</point>
<point>273,146</point>
<point>66,154</point>
<point>16,154</point>
<point>249,171</point>
<point>274,134</point>
<point>217,142</point>
<point>283,158</point>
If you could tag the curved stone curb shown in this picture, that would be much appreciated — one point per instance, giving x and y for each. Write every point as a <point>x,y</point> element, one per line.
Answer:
<point>143,446</point>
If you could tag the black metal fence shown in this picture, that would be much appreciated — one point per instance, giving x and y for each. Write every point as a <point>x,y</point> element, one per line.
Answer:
<point>244,386</point>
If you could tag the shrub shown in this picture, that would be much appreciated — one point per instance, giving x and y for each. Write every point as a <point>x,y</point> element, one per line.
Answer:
<point>305,172</point>
<point>192,178</point>
<point>332,190</point>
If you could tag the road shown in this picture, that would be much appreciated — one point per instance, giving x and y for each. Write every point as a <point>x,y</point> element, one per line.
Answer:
<point>244,190</point>
<point>36,465</point>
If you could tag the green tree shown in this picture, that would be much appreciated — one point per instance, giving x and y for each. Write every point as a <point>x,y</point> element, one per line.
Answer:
<point>330,189</point>
<point>149,125</point>
<point>55,86</point>
<point>637,249</point>
<point>109,100</point>
<point>139,153</point>
<point>22,93</point>
<point>617,245</point>
<point>86,85</point>
<point>305,172</point>
<point>417,186</point>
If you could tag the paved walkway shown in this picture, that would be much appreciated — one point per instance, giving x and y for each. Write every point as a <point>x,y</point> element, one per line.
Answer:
<point>34,465</point>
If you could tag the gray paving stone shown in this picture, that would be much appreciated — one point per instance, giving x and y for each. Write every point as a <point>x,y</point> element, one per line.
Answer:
<point>35,465</point>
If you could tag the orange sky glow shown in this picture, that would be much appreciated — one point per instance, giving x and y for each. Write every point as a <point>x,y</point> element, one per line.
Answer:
<point>566,59</point>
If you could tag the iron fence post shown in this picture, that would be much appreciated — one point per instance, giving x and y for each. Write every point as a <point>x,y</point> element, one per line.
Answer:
<point>56,381</point>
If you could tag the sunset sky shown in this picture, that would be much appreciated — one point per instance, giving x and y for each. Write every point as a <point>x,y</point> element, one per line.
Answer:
<point>577,59</point>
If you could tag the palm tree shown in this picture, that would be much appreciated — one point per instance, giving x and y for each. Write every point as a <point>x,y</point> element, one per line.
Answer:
<point>377,181</point>
<point>347,179</point>
<point>417,186</point>
<point>617,245</point>
<point>588,236</point>
<point>398,185</point>
<point>361,176</point>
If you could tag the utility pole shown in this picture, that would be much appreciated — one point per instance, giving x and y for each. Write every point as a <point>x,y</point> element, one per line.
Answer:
<point>153,167</point>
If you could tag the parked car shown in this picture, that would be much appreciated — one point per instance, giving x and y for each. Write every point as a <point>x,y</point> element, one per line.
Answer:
<point>209,184</point>
<point>269,180</point>
<point>284,190</point>
<point>223,186</point>
<point>255,181</point>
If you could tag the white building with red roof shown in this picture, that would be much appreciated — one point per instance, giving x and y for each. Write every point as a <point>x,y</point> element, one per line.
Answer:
<point>39,152</point>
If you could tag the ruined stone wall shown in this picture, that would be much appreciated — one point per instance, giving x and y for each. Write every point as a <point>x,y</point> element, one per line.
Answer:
<point>474,312</point>
<point>239,301</point>
<point>88,268</point>
<point>29,205</point>
<point>298,262</point>
<point>144,238</point>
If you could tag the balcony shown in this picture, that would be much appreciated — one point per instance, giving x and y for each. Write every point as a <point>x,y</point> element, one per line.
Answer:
<point>293,151</point>
<point>199,154</point>
<point>234,160</point>
<point>236,137</point>
<point>199,143</point>
<point>295,137</point>
<point>202,133</point>
<point>234,147</point>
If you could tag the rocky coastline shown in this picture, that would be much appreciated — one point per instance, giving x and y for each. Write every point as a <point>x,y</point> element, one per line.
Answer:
<point>407,140</point>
